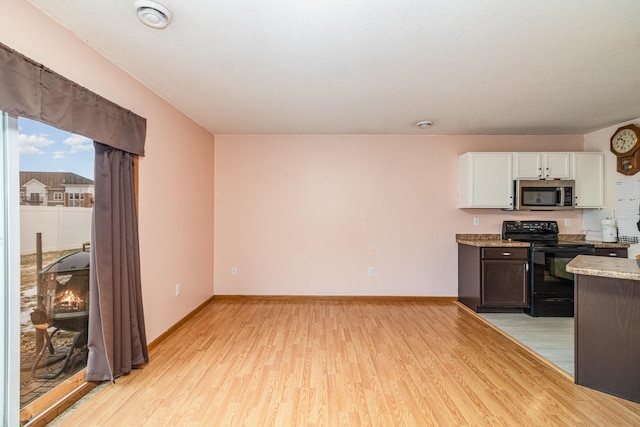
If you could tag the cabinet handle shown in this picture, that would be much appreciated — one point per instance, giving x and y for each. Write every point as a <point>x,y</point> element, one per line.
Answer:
<point>547,169</point>
<point>539,172</point>
<point>613,254</point>
<point>506,254</point>
<point>526,266</point>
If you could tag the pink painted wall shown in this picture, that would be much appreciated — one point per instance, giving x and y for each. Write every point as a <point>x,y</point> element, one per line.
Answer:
<point>308,215</point>
<point>176,175</point>
<point>295,214</point>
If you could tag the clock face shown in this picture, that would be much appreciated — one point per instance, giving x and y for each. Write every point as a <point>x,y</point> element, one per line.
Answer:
<point>624,140</point>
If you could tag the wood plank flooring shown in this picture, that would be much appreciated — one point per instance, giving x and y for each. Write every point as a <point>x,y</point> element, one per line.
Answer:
<point>322,362</point>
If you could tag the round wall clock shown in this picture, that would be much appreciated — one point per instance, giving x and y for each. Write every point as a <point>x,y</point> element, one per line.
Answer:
<point>625,143</point>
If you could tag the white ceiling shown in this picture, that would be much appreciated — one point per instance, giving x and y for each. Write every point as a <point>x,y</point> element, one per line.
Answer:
<point>378,66</point>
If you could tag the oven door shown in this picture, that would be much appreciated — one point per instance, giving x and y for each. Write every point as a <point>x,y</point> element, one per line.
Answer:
<point>551,285</point>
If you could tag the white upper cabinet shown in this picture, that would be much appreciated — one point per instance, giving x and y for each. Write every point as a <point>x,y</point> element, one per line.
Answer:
<point>588,169</point>
<point>542,166</point>
<point>485,180</point>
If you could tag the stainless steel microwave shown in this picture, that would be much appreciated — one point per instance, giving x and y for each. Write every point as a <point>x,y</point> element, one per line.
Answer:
<point>544,195</point>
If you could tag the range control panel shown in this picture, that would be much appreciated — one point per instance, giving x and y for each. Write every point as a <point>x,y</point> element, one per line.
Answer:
<point>529,230</point>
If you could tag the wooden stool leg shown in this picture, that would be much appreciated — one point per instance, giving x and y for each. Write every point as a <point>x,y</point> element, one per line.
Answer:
<point>42,328</point>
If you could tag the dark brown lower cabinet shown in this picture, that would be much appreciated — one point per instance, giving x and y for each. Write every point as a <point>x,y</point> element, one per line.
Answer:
<point>607,335</point>
<point>493,278</point>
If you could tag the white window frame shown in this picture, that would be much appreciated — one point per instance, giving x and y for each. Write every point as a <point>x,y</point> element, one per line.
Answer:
<point>58,196</point>
<point>10,272</point>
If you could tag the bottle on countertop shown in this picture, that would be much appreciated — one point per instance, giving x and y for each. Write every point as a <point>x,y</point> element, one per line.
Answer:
<point>609,230</point>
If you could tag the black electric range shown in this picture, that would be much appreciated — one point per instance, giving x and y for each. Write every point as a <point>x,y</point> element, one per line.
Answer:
<point>551,287</point>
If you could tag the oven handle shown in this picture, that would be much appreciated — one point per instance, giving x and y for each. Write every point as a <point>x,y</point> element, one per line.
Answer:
<point>576,250</point>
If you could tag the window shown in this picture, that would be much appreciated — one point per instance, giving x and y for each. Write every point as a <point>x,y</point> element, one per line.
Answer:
<point>75,199</point>
<point>63,232</point>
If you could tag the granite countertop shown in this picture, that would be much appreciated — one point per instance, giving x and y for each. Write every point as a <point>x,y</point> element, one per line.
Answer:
<point>495,240</point>
<point>617,268</point>
<point>488,240</point>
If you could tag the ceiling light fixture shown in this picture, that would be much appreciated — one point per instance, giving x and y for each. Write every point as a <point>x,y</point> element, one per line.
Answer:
<point>152,14</point>
<point>424,124</point>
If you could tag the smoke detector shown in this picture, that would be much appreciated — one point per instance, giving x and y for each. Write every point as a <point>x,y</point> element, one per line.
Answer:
<point>152,14</point>
<point>424,124</point>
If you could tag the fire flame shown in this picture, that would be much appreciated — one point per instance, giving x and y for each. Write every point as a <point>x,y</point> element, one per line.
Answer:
<point>68,301</point>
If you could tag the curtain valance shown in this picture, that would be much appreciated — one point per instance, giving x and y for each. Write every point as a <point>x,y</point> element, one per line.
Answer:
<point>31,90</point>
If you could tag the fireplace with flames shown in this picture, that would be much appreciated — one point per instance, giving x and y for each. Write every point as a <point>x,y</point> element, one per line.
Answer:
<point>63,304</point>
<point>65,292</point>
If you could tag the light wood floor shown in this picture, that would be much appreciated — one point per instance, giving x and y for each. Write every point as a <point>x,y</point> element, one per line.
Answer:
<point>305,362</point>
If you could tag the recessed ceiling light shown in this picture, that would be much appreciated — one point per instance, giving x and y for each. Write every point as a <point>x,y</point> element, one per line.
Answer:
<point>152,14</point>
<point>424,124</point>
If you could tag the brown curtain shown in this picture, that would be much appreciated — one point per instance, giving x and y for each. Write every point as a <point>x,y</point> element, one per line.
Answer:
<point>28,89</point>
<point>117,340</point>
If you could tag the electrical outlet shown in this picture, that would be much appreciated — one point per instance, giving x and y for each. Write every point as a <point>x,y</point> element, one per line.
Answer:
<point>178,289</point>
<point>476,221</point>
<point>234,271</point>
<point>372,271</point>
<point>567,222</point>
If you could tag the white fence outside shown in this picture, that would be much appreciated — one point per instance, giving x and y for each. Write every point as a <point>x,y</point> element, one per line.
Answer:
<point>62,228</point>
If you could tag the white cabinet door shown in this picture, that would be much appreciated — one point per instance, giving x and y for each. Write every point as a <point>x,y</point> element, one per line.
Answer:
<point>588,171</point>
<point>527,165</point>
<point>557,166</point>
<point>485,180</point>
<point>542,166</point>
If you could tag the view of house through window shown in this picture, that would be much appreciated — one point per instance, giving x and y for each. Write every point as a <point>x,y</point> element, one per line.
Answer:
<point>56,203</point>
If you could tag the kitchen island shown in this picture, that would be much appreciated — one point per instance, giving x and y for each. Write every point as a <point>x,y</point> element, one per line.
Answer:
<point>607,324</point>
